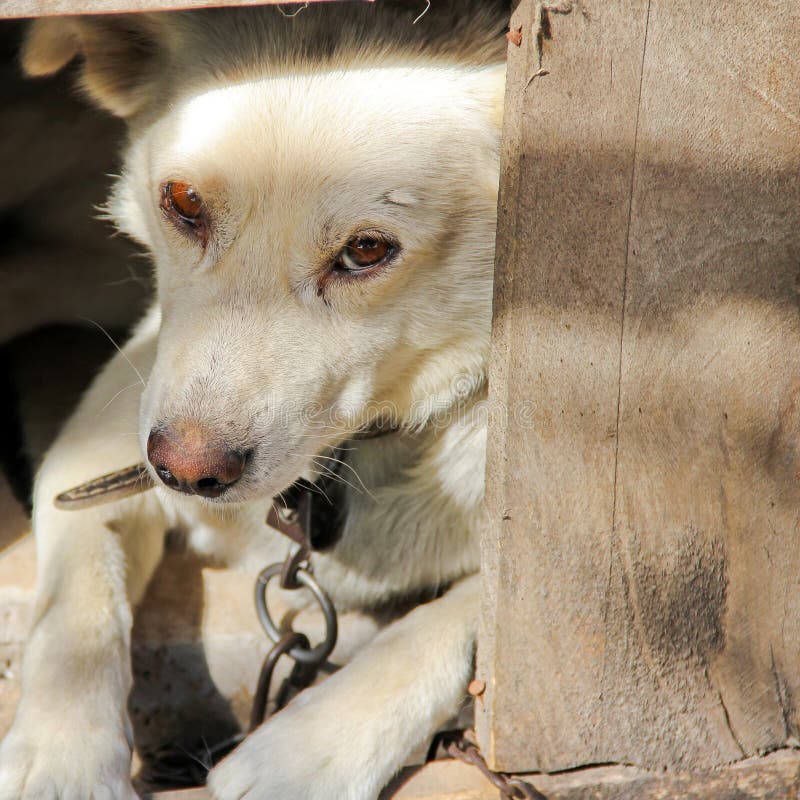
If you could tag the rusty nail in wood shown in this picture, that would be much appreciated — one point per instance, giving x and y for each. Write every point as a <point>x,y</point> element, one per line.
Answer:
<point>515,36</point>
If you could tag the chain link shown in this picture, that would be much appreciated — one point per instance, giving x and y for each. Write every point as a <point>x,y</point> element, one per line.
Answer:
<point>259,711</point>
<point>295,573</point>
<point>461,746</point>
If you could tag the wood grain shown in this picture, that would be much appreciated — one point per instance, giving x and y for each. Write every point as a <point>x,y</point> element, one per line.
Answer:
<point>641,553</point>
<point>564,204</point>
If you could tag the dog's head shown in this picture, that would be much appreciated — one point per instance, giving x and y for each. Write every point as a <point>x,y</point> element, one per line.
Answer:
<point>320,207</point>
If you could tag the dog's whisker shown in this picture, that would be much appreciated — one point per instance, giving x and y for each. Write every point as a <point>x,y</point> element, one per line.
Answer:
<point>118,348</point>
<point>330,472</point>
<point>125,389</point>
<point>197,760</point>
<point>319,490</point>
<point>341,479</point>
<point>349,466</point>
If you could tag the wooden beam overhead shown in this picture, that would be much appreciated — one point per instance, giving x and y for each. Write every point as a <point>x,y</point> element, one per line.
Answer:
<point>11,9</point>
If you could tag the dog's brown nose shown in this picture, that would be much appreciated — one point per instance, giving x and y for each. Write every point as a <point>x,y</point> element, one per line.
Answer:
<point>189,460</point>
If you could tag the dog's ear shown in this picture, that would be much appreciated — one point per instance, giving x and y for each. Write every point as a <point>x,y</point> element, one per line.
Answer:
<point>119,53</point>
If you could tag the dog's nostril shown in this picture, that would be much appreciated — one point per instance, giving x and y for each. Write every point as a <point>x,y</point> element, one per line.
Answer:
<point>227,469</point>
<point>210,487</point>
<point>167,477</point>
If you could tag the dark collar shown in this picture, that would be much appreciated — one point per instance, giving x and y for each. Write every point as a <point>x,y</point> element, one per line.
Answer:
<point>313,514</point>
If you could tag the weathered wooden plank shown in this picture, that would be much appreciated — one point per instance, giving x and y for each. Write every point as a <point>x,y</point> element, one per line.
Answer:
<point>48,8</point>
<point>564,204</point>
<point>644,593</point>
<point>775,777</point>
<point>705,538</point>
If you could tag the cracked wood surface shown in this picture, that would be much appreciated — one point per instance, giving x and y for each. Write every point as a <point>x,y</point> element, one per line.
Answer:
<point>641,561</point>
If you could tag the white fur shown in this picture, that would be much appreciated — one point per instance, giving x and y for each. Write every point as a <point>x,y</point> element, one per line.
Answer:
<point>346,738</point>
<point>292,160</point>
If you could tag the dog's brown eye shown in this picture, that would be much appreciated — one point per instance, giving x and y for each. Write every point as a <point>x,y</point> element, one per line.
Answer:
<point>184,206</point>
<point>363,253</point>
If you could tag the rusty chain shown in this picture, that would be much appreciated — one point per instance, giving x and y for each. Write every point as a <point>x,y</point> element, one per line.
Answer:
<point>295,573</point>
<point>461,746</point>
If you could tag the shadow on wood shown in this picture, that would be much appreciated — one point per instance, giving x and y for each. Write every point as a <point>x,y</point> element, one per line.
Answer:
<point>642,602</point>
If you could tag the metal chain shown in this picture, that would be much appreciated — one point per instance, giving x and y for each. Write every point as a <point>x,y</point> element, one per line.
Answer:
<point>295,573</point>
<point>461,745</point>
<point>259,711</point>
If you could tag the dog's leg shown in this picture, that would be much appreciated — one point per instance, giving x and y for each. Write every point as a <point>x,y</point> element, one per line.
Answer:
<point>344,739</point>
<point>71,737</point>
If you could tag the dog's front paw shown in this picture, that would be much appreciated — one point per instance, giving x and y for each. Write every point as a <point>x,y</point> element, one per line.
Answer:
<point>56,758</point>
<point>299,754</point>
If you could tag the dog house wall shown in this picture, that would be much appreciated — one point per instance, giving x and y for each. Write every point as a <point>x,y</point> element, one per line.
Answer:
<point>641,561</point>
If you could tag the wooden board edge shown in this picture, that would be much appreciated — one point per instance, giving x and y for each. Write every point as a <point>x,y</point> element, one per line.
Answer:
<point>16,9</point>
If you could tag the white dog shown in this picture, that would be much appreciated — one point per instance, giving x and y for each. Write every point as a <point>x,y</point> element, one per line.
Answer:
<point>319,198</point>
